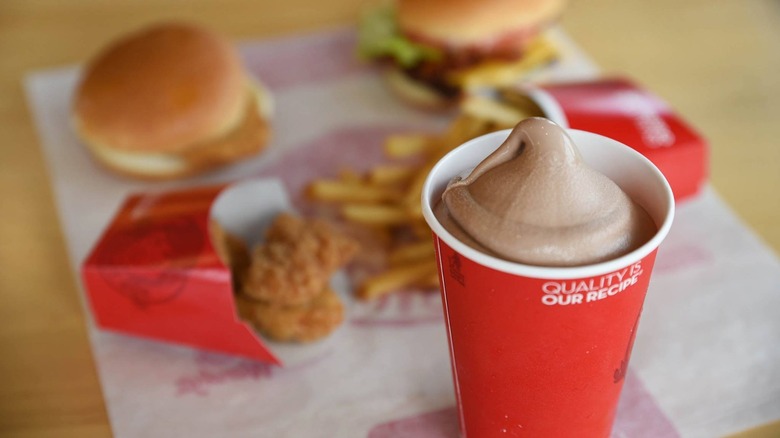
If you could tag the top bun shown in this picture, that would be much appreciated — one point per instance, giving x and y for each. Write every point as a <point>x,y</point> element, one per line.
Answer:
<point>162,89</point>
<point>468,23</point>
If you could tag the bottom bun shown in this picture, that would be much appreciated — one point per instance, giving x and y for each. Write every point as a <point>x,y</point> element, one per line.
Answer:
<point>248,138</point>
<point>417,93</point>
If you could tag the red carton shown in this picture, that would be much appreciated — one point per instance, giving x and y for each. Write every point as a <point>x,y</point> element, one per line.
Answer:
<point>155,272</point>
<point>619,109</point>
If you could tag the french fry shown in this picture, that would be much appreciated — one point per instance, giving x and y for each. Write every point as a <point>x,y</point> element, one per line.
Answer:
<point>519,100</point>
<point>385,200</point>
<point>415,211</point>
<point>464,128</point>
<point>491,109</point>
<point>382,233</point>
<point>395,278</point>
<point>371,214</point>
<point>414,191</point>
<point>429,281</point>
<point>348,191</point>
<point>421,229</point>
<point>400,146</point>
<point>349,175</point>
<point>390,174</point>
<point>412,252</point>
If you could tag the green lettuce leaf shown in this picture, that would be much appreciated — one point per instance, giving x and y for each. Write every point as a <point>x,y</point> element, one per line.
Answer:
<point>379,36</point>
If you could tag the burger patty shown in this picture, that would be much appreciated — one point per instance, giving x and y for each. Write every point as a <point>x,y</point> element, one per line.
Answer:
<point>434,72</point>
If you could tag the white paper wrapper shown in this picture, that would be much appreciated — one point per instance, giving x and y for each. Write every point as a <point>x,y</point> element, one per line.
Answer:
<point>706,361</point>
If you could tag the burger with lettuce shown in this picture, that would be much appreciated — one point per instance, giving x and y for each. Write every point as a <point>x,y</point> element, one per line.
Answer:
<point>436,49</point>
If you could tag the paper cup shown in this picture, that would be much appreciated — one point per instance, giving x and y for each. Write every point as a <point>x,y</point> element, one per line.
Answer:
<point>543,351</point>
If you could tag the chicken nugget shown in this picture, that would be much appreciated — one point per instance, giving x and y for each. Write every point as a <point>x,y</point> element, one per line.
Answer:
<point>296,261</point>
<point>305,323</point>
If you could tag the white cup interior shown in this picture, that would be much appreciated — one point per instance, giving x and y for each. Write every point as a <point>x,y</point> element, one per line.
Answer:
<point>630,170</point>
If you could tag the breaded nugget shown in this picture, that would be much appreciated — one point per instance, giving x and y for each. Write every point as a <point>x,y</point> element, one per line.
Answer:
<point>305,323</point>
<point>296,261</point>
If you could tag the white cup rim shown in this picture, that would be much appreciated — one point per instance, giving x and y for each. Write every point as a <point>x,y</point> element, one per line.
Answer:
<point>542,272</point>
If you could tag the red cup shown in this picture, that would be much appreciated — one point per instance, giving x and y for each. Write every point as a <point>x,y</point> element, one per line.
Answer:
<point>543,351</point>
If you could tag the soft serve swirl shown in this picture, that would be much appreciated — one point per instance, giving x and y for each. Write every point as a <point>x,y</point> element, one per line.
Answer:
<point>535,201</point>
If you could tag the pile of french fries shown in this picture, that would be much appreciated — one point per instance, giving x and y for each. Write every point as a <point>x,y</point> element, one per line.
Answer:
<point>386,199</point>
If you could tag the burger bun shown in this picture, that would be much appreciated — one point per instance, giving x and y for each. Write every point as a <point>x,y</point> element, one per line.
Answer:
<point>168,101</point>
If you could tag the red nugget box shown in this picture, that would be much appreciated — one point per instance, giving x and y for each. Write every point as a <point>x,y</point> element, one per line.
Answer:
<point>155,272</point>
<point>620,109</point>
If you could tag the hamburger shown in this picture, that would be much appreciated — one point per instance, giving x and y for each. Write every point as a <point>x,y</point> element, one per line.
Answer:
<point>436,49</point>
<point>168,101</point>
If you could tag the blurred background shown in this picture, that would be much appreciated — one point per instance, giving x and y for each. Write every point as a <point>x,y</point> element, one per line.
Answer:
<point>715,61</point>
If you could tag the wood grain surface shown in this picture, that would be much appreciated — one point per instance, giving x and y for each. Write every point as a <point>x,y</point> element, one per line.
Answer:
<point>716,61</point>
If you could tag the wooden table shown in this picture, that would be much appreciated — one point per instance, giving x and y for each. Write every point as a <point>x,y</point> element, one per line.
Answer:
<point>716,61</point>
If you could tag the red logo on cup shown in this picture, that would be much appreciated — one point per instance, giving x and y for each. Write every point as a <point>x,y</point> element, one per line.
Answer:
<point>454,264</point>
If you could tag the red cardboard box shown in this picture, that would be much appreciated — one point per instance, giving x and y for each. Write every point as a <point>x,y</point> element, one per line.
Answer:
<point>155,273</point>
<point>619,109</point>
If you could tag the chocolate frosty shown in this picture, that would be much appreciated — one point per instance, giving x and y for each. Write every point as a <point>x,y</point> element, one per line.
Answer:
<point>535,201</point>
